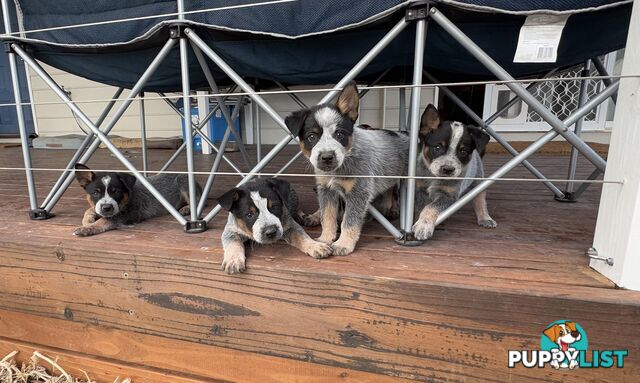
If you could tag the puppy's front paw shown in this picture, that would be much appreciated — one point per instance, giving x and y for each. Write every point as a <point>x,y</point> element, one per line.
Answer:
<point>309,220</point>
<point>185,210</point>
<point>84,231</point>
<point>233,264</point>
<point>318,250</point>
<point>341,247</point>
<point>488,223</point>
<point>423,230</point>
<point>325,239</point>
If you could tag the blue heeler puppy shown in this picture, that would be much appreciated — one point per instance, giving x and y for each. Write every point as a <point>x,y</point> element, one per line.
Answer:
<point>117,200</point>
<point>264,211</point>
<point>449,149</point>
<point>335,148</point>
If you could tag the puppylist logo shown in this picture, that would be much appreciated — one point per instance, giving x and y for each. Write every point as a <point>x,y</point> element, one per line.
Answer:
<point>564,344</point>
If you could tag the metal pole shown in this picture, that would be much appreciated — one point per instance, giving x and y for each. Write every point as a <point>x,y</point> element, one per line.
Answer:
<point>143,136</point>
<point>197,129</point>
<point>573,157</point>
<point>221,103</point>
<point>289,163</point>
<point>216,162</point>
<point>421,34</point>
<point>186,102</point>
<point>258,131</point>
<point>101,136</point>
<point>583,187</point>
<point>465,108</point>
<point>24,138</point>
<point>518,89</point>
<point>116,116</point>
<point>395,31</point>
<point>279,120</point>
<point>87,140</point>
<point>293,96</point>
<point>585,109</point>
<point>603,72</point>
<point>402,109</point>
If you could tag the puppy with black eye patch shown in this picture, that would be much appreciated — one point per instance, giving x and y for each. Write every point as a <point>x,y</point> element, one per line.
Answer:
<point>117,199</point>
<point>265,211</point>
<point>453,150</point>
<point>337,149</point>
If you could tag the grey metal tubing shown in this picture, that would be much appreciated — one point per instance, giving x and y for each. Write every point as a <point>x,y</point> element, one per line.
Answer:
<point>421,34</point>
<point>603,72</point>
<point>403,213</point>
<point>143,136</point>
<point>515,99</point>
<point>402,110</point>
<point>289,163</point>
<point>221,103</point>
<point>258,131</point>
<point>374,83</point>
<point>518,89</point>
<point>293,96</point>
<point>87,140</point>
<point>531,149</point>
<point>100,135</point>
<point>583,187</point>
<point>386,39</point>
<point>384,222</point>
<point>186,104</point>
<point>22,128</point>
<point>238,80</point>
<point>465,108</point>
<point>216,161</point>
<point>573,156</point>
<point>137,88</point>
<point>197,129</point>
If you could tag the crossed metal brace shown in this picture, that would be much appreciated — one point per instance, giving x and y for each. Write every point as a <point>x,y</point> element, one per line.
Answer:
<point>186,37</point>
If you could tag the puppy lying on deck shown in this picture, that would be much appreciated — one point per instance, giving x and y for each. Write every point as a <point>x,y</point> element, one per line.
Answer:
<point>449,149</point>
<point>116,199</point>
<point>265,211</point>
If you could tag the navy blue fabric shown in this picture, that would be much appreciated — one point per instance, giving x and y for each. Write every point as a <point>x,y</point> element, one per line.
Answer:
<point>324,58</point>
<point>539,6</point>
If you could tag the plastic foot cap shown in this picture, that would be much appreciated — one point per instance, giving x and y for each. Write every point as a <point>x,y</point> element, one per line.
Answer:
<point>39,214</point>
<point>194,227</point>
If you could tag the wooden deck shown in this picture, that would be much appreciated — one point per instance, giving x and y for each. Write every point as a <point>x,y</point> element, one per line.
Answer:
<point>151,302</point>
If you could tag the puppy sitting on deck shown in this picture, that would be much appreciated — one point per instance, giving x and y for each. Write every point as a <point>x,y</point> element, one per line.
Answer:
<point>449,149</point>
<point>337,149</point>
<point>265,211</point>
<point>116,199</point>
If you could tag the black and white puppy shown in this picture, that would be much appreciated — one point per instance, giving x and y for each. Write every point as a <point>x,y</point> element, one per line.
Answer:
<point>116,199</point>
<point>336,148</point>
<point>449,149</point>
<point>265,211</point>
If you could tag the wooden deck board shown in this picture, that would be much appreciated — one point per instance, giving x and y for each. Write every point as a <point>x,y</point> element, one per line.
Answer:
<point>444,311</point>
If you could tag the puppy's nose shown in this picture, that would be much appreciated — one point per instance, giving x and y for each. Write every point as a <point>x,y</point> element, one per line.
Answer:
<point>575,334</point>
<point>447,170</point>
<point>270,231</point>
<point>107,208</point>
<point>327,157</point>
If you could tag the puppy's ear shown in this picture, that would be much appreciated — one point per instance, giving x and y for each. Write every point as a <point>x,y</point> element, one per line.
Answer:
<point>128,180</point>
<point>430,120</point>
<point>84,175</point>
<point>295,121</point>
<point>281,187</point>
<point>552,332</point>
<point>480,138</point>
<point>349,101</point>
<point>228,199</point>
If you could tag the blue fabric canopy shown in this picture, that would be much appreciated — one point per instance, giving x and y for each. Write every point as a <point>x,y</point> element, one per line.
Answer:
<point>303,41</point>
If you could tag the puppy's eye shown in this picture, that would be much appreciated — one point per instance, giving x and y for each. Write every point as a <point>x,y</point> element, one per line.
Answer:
<point>250,215</point>
<point>437,147</point>
<point>464,151</point>
<point>339,136</point>
<point>96,193</point>
<point>312,137</point>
